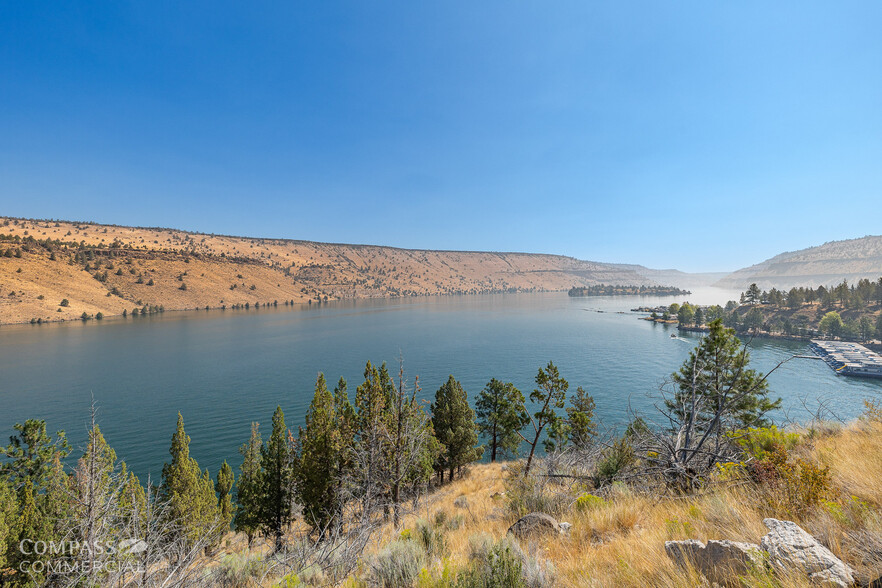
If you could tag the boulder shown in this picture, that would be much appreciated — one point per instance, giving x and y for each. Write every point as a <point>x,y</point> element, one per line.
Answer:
<point>535,523</point>
<point>791,548</point>
<point>721,562</point>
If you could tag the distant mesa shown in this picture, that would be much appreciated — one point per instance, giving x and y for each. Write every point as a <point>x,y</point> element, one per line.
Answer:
<point>61,270</point>
<point>830,263</point>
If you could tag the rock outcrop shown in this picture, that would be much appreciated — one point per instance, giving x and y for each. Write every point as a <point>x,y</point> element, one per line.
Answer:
<point>535,523</point>
<point>721,562</point>
<point>791,548</point>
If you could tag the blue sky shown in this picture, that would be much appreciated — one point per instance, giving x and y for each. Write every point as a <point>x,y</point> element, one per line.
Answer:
<point>698,135</point>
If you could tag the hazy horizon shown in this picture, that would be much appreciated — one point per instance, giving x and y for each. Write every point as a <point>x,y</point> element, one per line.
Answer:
<point>704,138</point>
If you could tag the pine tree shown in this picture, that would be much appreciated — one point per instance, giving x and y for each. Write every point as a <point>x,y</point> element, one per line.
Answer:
<point>501,414</point>
<point>320,445</point>
<point>31,455</point>
<point>223,486</point>
<point>454,423</point>
<point>249,490</point>
<point>189,494</point>
<point>550,394</point>
<point>580,417</point>
<point>277,462</point>
<point>716,377</point>
<point>577,428</point>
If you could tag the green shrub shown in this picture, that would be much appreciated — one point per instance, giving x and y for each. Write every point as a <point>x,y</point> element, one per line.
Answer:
<point>237,571</point>
<point>617,457</point>
<point>761,441</point>
<point>430,538</point>
<point>493,565</point>
<point>587,502</point>
<point>398,565</point>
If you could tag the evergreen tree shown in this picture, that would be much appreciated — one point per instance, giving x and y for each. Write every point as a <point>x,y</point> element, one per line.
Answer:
<point>454,423</point>
<point>31,455</point>
<point>132,503</point>
<point>189,494</point>
<point>580,417</point>
<point>317,467</point>
<point>249,490</point>
<point>577,427</point>
<point>372,400</point>
<point>8,523</point>
<point>223,486</point>
<point>277,462</point>
<point>501,414</point>
<point>413,448</point>
<point>717,373</point>
<point>549,395</point>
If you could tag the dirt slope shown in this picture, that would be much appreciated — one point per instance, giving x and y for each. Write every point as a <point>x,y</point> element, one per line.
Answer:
<point>108,269</point>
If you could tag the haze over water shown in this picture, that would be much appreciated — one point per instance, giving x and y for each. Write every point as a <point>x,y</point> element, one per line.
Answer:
<point>223,370</point>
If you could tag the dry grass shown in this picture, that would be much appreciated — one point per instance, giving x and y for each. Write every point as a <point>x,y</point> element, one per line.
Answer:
<point>621,543</point>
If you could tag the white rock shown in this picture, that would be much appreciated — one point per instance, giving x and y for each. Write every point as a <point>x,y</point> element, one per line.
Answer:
<point>792,548</point>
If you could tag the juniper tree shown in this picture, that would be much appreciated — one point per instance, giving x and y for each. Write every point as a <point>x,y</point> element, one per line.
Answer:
<point>8,520</point>
<point>372,400</point>
<point>277,462</point>
<point>454,423</point>
<point>35,476</point>
<point>412,445</point>
<point>223,486</point>
<point>189,493</point>
<point>549,395</point>
<point>577,428</point>
<point>249,490</point>
<point>500,415</point>
<point>316,468</point>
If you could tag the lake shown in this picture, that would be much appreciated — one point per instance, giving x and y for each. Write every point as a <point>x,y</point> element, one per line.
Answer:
<point>223,370</point>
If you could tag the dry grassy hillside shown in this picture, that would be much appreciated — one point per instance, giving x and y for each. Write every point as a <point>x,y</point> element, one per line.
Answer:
<point>108,269</point>
<point>829,263</point>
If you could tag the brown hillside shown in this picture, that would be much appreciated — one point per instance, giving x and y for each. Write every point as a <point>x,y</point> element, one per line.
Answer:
<point>108,269</point>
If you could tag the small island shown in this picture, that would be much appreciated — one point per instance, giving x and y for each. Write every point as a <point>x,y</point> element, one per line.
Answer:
<point>610,290</point>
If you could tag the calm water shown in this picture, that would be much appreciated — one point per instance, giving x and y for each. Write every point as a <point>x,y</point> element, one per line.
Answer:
<point>225,370</point>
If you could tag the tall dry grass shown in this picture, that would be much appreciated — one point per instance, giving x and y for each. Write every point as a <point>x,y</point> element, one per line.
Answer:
<point>620,541</point>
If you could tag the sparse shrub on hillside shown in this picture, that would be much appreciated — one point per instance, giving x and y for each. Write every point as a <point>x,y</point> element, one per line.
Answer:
<point>65,303</point>
<point>398,565</point>
<point>431,538</point>
<point>614,462</point>
<point>535,493</point>
<point>791,485</point>
<point>237,571</point>
<point>503,564</point>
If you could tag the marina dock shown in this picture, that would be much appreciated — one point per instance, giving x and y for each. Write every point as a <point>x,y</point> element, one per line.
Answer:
<point>849,359</point>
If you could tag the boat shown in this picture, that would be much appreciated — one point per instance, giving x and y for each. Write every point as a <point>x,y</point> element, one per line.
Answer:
<point>673,335</point>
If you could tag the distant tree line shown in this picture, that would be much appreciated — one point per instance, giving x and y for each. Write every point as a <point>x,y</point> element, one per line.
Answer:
<point>609,290</point>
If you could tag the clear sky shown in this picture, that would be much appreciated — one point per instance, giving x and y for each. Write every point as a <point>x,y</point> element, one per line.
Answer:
<point>698,135</point>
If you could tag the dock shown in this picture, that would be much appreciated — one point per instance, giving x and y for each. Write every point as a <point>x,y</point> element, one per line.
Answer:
<point>849,359</point>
